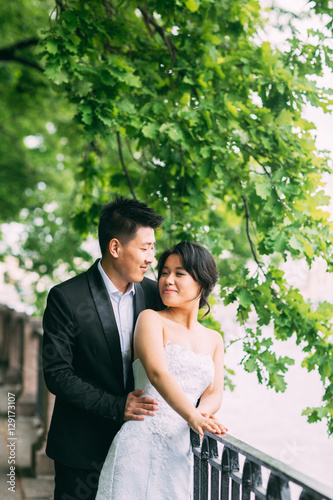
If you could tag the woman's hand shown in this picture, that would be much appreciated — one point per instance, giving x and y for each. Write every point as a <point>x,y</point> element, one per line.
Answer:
<point>205,422</point>
<point>222,428</point>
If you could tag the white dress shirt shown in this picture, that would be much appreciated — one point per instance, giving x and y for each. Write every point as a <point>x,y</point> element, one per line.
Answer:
<point>123,308</point>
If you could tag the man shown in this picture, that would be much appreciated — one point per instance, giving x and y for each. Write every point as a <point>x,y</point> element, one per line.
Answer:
<point>87,348</point>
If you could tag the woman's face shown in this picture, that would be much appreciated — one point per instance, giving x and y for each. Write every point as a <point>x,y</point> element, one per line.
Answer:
<point>176,285</point>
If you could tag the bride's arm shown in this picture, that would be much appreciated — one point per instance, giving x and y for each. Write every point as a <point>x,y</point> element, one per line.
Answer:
<point>148,343</point>
<point>211,399</point>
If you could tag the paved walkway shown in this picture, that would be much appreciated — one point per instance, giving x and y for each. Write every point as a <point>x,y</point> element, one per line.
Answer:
<point>17,447</point>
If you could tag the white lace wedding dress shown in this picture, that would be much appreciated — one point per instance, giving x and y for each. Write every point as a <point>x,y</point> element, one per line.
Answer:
<point>152,459</point>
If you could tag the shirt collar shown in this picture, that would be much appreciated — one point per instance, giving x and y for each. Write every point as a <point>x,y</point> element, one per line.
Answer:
<point>110,286</point>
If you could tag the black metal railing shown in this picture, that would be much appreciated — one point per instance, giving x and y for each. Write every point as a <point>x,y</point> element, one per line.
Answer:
<point>225,468</point>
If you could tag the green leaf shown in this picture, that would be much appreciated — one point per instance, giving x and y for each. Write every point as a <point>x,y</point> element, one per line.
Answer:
<point>126,106</point>
<point>56,74</point>
<point>150,130</point>
<point>185,99</point>
<point>132,80</point>
<point>296,244</point>
<point>244,298</point>
<point>278,382</point>
<point>326,369</point>
<point>86,113</point>
<point>82,88</point>
<point>106,120</point>
<point>205,152</point>
<point>263,188</point>
<point>250,365</point>
<point>173,131</point>
<point>192,5</point>
<point>51,46</point>
<point>232,108</point>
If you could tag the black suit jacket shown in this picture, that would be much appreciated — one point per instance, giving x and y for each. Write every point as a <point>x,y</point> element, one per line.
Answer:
<point>82,365</point>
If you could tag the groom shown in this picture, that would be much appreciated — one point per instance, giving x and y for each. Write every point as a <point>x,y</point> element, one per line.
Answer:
<point>88,348</point>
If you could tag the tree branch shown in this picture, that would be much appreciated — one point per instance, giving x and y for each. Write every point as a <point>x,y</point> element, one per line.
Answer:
<point>253,250</point>
<point>144,164</point>
<point>108,8</point>
<point>250,150</point>
<point>60,5</point>
<point>20,45</point>
<point>9,53</point>
<point>268,174</point>
<point>150,20</point>
<point>184,174</point>
<point>129,181</point>
<point>166,184</point>
<point>24,62</point>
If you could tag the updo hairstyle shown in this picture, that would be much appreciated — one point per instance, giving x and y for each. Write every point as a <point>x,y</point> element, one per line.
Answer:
<point>198,262</point>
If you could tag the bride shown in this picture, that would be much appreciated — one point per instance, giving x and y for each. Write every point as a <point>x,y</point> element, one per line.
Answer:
<point>177,361</point>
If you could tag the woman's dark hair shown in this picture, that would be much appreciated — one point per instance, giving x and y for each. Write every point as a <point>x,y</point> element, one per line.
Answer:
<point>122,218</point>
<point>198,262</point>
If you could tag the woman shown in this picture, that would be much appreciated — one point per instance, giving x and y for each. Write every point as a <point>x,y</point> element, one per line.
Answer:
<point>177,361</point>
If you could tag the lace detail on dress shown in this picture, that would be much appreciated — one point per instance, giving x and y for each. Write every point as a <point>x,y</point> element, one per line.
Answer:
<point>152,459</point>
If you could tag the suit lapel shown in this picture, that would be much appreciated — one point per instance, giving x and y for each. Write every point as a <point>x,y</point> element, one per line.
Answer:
<point>105,312</point>
<point>139,305</point>
<point>139,301</point>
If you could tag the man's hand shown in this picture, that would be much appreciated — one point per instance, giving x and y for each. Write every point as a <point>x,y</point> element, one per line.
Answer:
<point>136,407</point>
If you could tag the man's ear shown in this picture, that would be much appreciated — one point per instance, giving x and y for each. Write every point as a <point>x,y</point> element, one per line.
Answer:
<point>114,248</point>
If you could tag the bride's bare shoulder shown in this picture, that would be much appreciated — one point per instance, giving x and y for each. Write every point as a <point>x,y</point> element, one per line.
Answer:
<point>149,315</point>
<point>215,337</point>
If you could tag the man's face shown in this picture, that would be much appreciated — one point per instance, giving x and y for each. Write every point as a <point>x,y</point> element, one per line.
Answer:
<point>135,256</point>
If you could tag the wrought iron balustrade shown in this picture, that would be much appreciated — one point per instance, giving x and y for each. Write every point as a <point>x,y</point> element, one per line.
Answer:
<point>225,468</point>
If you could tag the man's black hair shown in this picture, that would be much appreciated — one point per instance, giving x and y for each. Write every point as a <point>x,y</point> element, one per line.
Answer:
<point>122,218</point>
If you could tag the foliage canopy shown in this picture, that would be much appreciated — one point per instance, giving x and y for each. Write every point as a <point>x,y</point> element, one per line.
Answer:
<point>184,105</point>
